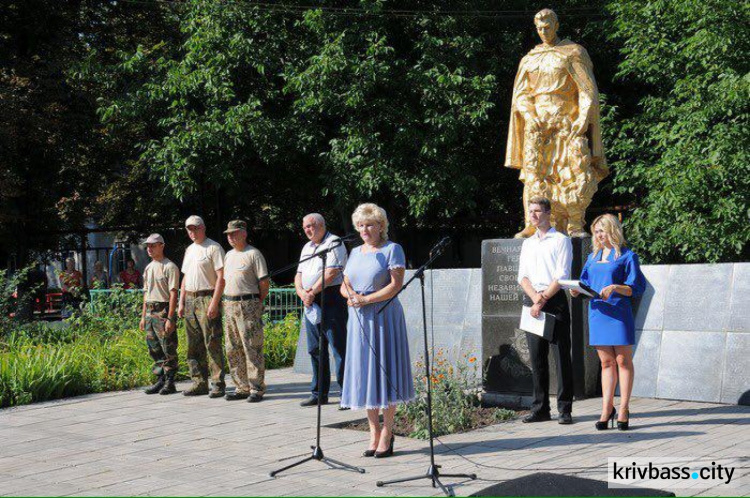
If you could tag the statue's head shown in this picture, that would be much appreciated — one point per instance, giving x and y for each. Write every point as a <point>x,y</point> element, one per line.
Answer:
<point>546,25</point>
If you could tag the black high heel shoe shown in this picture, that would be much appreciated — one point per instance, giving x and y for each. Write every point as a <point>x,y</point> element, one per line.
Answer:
<point>602,425</point>
<point>624,426</point>
<point>388,452</point>
<point>369,453</point>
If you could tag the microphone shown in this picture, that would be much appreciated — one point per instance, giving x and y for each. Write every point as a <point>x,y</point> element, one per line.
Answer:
<point>348,237</point>
<point>442,244</point>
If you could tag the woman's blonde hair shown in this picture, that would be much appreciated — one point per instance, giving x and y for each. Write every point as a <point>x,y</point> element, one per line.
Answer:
<point>371,212</point>
<point>612,227</point>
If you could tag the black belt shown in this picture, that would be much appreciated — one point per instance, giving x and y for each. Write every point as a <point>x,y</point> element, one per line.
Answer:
<point>152,305</point>
<point>200,293</point>
<point>244,297</point>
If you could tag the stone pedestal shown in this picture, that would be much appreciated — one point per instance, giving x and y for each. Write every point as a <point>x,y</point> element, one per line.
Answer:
<point>504,348</point>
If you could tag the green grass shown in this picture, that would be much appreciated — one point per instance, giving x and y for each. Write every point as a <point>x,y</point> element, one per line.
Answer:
<point>101,350</point>
<point>31,372</point>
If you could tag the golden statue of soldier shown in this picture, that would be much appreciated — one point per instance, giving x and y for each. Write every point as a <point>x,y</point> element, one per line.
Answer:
<point>555,137</point>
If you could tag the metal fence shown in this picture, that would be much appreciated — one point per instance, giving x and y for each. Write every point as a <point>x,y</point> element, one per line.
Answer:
<point>279,302</point>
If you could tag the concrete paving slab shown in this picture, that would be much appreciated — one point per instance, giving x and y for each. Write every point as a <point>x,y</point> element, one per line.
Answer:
<point>128,443</point>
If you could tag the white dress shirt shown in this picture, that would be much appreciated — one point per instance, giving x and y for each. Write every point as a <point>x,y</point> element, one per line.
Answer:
<point>544,259</point>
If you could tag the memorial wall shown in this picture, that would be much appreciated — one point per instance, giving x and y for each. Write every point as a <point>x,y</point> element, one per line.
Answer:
<point>692,330</point>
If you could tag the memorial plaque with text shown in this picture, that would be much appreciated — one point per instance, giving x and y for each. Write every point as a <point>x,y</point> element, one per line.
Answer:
<point>503,346</point>
<point>501,294</point>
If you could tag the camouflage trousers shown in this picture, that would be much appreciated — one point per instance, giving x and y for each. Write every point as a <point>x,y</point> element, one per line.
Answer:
<point>243,330</point>
<point>204,352</point>
<point>162,347</point>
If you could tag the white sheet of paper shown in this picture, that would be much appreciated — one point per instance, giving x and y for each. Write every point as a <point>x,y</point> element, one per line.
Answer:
<point>574,285</point>
<point>533,325</point>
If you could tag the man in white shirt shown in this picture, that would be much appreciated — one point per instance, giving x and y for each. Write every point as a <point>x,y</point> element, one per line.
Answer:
<point>546,258</point>
<point>309,285</point>
<point>246,289</point>
<point>161,279</point>
<point>200,305</point>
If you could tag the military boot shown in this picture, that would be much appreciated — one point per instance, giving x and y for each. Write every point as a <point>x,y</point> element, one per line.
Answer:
<point>217,391</point>
<point>156,387</point>
<point>169,387</point>
<point>196,390</point>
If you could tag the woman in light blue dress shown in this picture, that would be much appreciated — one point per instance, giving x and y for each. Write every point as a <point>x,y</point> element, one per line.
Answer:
<point>377,375</point>
<point>614,272</point>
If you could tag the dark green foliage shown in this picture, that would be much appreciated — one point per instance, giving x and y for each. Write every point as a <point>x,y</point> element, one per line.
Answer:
<point>8,303</point>
<point>257,105</point>
<point>134,113</point>
<point>684,156</point>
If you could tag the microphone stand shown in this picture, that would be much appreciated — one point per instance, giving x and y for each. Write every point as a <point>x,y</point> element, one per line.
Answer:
<point>317,453</point>
<point>433,472</point>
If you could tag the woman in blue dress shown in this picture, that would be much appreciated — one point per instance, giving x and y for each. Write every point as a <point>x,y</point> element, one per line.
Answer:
<point>377,375</point>
<point>614,272</point>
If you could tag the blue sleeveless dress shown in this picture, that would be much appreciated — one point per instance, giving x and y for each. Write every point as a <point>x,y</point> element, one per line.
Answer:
<point>378,366</point>
<point>611,322</point>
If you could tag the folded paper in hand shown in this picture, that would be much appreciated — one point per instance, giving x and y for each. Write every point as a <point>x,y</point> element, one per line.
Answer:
<point>543,326</point>
<point>576,285</point>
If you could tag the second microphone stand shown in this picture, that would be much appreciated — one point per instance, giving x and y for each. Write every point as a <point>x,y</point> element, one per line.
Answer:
<point>433,472</point>
<point>317,453</point>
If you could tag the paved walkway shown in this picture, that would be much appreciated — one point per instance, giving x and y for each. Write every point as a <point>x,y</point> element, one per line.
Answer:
<point>127,443</point>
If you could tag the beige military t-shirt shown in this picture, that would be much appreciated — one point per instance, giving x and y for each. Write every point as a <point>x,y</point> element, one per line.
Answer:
<point>159,278</point>
<point>243,270</point>
<point>200,264</point>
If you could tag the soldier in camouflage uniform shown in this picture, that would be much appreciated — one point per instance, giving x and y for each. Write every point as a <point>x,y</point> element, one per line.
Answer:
<point>246,289</point>
<point>160,283</point>
<point>200,305</point>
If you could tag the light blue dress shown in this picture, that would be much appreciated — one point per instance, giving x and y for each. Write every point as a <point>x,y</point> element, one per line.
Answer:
<point>611,322</point>
<point>378,365</point>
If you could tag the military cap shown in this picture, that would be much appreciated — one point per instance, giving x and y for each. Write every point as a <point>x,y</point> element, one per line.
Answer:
<point>195,221</point>
<point>154,238</point>
<point>236,225</point>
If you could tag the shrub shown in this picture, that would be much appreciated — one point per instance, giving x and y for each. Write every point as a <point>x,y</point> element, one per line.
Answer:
<point>100,349</point>
<point>109,313</point>
<point>10,303</point>
<point>455,396</point>
<point>280,342</point>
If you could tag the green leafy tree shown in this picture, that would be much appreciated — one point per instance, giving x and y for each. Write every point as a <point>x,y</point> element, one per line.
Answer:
<point>277,110</point>
<point>58,169</point>
<point>684,155</point>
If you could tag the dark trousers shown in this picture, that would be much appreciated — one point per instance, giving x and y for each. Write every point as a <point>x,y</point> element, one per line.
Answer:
<point>334,327</point>
<point>539,353</point>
